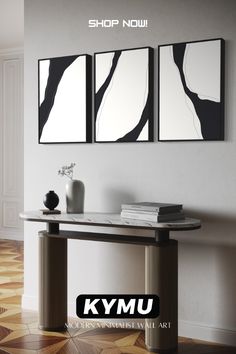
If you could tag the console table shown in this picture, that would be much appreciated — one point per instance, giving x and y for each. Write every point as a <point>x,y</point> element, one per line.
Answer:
<point>161,266</point>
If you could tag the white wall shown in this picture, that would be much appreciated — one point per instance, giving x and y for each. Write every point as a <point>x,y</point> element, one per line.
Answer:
<point>201,175</point>
<point>11,118</point>
<point>11,144</point>
<point>11,24</point>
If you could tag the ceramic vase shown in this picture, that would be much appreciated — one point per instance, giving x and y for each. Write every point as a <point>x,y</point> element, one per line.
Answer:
<point>74,197</point>
<point>51,200</point>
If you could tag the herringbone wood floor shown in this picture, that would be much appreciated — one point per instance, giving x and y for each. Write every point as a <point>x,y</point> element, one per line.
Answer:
<point>19,333</point>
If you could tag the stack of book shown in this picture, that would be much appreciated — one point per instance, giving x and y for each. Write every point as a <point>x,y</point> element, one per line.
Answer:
<point>155,212</point>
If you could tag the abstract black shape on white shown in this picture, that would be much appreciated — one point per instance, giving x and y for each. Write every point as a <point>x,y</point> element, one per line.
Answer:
<point>99,95</point>
<point>57,67</point>
<point>191,100</point>
<point>134,133</point>
<point>208,112</point>
<point>124,95</point>
<point>64,85</point>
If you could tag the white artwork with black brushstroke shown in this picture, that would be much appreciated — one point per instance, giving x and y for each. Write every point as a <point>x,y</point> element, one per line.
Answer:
<point>66,116</point>
<point>190,91</point>
<point>121,94</point>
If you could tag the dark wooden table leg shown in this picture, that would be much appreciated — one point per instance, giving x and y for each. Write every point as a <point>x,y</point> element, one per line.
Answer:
<point>52,280</point>
<point>161,278</point>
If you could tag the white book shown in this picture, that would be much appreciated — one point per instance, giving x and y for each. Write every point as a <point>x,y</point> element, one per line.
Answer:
<point>146,212</point>
<point>161,208</point>
<point>152,217</point>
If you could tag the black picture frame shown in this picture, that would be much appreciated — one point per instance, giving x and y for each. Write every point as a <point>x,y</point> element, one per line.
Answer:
<point>148,110</point>
<point>210,130</point>
<point>56,69</point>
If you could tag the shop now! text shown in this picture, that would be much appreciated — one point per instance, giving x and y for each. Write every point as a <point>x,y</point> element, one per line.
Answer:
<point>132,23</point>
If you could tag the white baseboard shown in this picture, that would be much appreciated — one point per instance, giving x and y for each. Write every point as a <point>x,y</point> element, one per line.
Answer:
<point>29,302</point>
<point>187,329</point>
<point>11,235</point>
<point>206,332</point>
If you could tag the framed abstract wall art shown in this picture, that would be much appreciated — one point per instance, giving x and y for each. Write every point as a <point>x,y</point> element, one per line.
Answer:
<point>191,91</point>
<point>65,99</point>
<point>123,90</point>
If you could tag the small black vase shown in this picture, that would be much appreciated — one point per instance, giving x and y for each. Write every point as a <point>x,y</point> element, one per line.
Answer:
<point>51,200</point>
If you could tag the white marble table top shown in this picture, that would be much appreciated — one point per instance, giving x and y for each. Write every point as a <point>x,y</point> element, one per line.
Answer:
<point>109,220</point>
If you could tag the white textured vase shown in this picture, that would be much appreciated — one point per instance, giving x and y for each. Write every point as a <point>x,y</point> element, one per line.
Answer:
<point>74,196</point>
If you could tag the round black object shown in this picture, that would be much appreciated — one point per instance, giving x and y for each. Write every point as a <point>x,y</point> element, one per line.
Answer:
<point>51,200</point>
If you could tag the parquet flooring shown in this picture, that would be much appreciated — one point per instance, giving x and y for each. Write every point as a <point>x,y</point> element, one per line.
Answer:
<point>19,333</point>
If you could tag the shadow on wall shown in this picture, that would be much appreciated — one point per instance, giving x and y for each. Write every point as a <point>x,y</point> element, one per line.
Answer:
<point>217,229</point>
<point>226,270</point>
<point>115,197</point>
<point>210,268</point>
<point>208,256</point>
